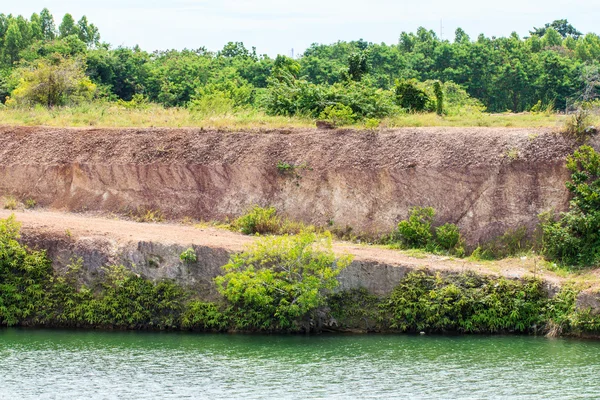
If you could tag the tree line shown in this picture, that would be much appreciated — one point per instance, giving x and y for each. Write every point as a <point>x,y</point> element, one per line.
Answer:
<point>554,67</point>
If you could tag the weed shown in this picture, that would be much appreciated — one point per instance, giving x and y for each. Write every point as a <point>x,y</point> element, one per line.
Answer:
<point>188,256</point>
<point>10,203</point>
<point>30,203</point>
<point>512,153</point>
<point>147,215</point>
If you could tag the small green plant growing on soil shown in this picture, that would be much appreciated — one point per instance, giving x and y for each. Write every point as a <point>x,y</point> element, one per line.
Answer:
<point>448,237</point>
<point>30,203</point>
<point>513,242</point>
<point>279,281</point>
<point>512,153</point>
<point>10,203</point>
<point>188,256</point>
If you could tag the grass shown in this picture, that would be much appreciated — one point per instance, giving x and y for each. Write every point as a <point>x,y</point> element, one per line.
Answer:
<point>112,115</point>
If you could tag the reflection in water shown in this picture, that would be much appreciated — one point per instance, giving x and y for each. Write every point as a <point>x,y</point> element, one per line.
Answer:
<point>73,364</point>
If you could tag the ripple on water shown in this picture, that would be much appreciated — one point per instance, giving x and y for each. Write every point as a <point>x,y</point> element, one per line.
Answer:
<point>73,364</point>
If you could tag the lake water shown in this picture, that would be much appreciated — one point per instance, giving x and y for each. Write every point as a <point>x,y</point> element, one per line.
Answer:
<point>48,364</point>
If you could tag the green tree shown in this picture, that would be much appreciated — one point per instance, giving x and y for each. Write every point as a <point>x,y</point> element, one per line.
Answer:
<point>88,33</point>
<point>52,83</point>
<point>47,25</point>
<point>13,41</point>
<point>68,27</point>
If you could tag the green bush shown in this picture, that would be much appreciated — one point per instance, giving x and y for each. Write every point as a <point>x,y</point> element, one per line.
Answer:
<point>410,97</point>
<point>416,231</point>
<point>258,220</point>
<point>188,256</point>
<point>512,243</point>
<point>447,236</point>
<point>573,239</point>
<point>465,303</point>
<point>338,115</point>
<point>279,281</point>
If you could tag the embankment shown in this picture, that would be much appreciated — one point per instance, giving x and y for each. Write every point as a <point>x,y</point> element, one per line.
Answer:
<point>486,180</point>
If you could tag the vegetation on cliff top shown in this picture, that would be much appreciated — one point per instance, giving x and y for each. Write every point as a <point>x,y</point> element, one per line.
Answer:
<point>419,81</point>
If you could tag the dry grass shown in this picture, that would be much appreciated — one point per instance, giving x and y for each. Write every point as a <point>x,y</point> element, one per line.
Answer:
<point>113,115</point>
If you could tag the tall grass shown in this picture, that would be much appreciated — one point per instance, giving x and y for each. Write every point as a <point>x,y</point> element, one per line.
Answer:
<point>104,114</point>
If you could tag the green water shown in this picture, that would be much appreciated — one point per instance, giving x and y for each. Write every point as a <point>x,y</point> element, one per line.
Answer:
<point>43,364</point>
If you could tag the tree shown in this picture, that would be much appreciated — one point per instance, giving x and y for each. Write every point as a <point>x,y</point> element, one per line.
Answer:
<point>47,25</point>
<point>13,41</point>
<point>52,83</point>
<point>36,27</point>
<point>551,38</point>
<point>67,26</point>
<point>357,65</point>
<point>88,33</point>
<point>562,26</point>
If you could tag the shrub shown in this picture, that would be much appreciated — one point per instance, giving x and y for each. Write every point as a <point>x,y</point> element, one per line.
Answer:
<point>30,203</point>
<point>10,203</point>
<point>189,256</point>
<point>573,239</point>
<point>512,243</point>
<point>410,96</point>
<point>258,221</point>
<point>338,115</point>
<point>439,98</point>
<point>279,281</point>
<point>580,125</point>
<point>56,83</point>
<point>416,231</point>
<point>447,236</point>
<point>465,303</point>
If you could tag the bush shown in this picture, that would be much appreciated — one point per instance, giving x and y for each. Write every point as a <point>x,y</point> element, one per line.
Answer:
<point>447,236</point>
<point>258,221</point>
<point>57,83</point>
<point>573,239</point>
<point>465,303</point>
<point>409,96</point>
<point>189,256</point>
<point>338,115</point>
<point>416,231</point>
<point>279,281</point>
<point>512,243</point>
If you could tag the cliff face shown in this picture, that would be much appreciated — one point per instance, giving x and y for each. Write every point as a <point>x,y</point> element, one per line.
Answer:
<point>484,179</point>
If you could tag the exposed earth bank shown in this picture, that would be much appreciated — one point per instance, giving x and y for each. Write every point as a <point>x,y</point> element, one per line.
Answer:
<point>486,180</point>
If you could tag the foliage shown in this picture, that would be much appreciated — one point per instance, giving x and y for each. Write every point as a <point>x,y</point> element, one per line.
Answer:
<point>279,281</point>
<point>258,220</point>
<point>338,115</point>
<point>409,96</point>
<point>574,238</point>
<point>513,242</point>
<point>465,303</point>
<point>580,124</point>
<point>188,256</point>
<point>418,233</point>
<point>10,203</point>
<point>55,83</point>
<point>439,98</point>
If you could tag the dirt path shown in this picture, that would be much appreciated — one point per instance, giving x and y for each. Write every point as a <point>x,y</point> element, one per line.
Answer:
<point>79,226</point>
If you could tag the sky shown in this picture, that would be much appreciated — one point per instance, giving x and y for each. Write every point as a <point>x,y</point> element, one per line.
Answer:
<point>278,26</point>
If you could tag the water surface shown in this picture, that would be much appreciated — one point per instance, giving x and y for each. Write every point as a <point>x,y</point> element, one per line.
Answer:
<point>48,364</point>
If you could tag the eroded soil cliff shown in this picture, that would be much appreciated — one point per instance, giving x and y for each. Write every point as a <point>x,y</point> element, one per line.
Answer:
<point>486,180</point>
